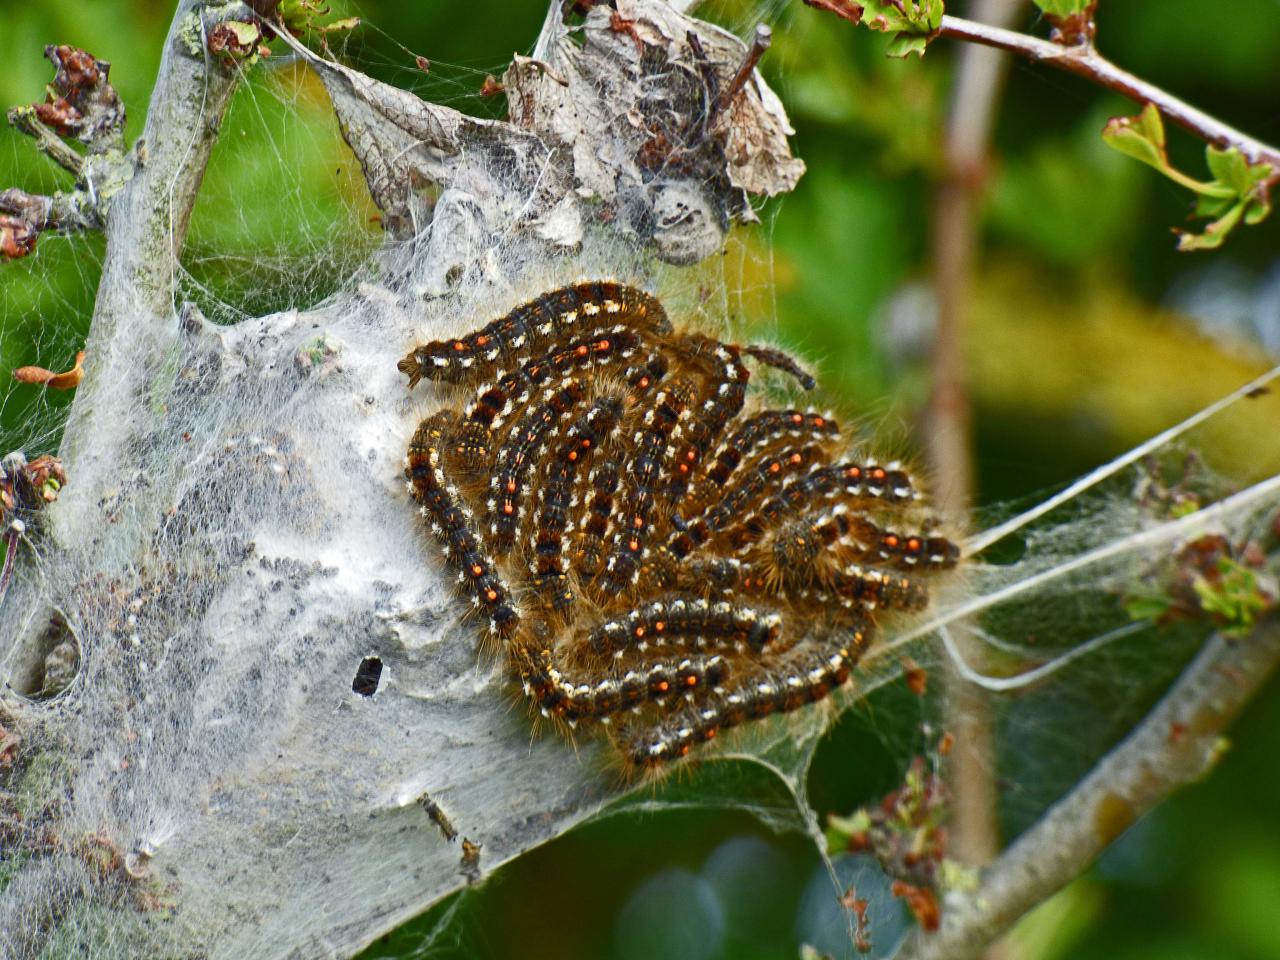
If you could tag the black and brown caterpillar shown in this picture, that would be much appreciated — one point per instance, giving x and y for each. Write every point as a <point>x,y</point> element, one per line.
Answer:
<point>656,552</point>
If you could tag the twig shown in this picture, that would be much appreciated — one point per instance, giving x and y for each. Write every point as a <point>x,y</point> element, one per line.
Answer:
<point>47,142</point>
<point>64,212</point>
<point>1084,61</point>
<point>1176,745</point>
<point>759,44</point>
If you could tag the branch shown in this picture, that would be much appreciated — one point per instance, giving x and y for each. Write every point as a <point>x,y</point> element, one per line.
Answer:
<point>63,212</point>
<point>977,88</point>
<point>1244,169</point>
<point>24,119</point>
<point>1084,61</point>
<point>1177,744</point>
<point>145,230</point>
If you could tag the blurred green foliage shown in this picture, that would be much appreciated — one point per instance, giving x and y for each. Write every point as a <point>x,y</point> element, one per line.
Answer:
<point>1076,355</point>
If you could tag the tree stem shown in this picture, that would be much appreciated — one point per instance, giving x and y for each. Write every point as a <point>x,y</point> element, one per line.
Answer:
<point>976,89</point>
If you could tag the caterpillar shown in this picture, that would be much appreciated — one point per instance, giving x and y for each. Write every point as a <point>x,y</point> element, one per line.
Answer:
<point>737,559</point>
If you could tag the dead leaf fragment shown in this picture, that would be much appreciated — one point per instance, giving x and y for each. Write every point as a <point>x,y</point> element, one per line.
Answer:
<point>67,380</point>
<point>17,237</point>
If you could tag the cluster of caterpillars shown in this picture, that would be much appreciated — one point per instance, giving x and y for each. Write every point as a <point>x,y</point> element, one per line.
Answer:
<point>656,552</point>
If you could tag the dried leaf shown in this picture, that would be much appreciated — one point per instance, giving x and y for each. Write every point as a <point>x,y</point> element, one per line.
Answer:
<point>17,237</point>
<point>235,40</point>
<point>844,9</point>
<point>81,102</point>
<point>617,127</point>
<point>67,380</point>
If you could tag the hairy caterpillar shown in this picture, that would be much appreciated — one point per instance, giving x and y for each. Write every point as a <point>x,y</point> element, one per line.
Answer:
<point>626,459</point>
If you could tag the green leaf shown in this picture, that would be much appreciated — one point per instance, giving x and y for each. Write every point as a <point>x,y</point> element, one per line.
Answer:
<point>1257,209</point>
<point>1234,596</point>
<point>1229,167</point>
<point>841,829</point>
<point>1237,191</point>
<point>1140,137</point>
<point>235,41</point>
<point>247,34</point>
<point>1213,207</point>
<point>1248,199</point>
<point>905,44</point>
<point>1062,8</point>
<point>1213,234</point>
<point>910,16</point>
<point>338,26</point>
<point>1146,608</point>
<point>913,21</point>
<point>301,16</point>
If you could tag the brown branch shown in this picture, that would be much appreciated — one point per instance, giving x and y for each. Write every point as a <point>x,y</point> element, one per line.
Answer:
<point>1084,61</point>
<point>760,43</point>
<point>976,89</point>
<point>1177,744</point>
